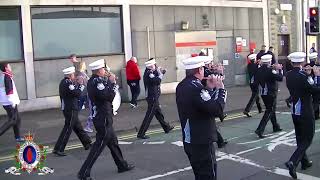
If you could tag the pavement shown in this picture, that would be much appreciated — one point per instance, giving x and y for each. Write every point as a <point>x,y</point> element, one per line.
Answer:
<point>162,157</point>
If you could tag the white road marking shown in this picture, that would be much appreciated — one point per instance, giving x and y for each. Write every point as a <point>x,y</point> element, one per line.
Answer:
<point>168,173</point>
<point>235,158</point>
<point>237,137</point>
<point>268,136</point>
<point>159,142</point>
<point>178,143</point>
<point>285,172</point>
<point>249,150</point>
<point>288,139</point>
<point>124,142</point>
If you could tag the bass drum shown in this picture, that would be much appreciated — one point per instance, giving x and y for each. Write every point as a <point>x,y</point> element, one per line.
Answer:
<point>116,102</point>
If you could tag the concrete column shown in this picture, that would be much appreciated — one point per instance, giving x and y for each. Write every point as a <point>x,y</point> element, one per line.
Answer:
<point>126,31</point>
<point>28,49</point>
<point>299,26</point>
<point>266,30</point>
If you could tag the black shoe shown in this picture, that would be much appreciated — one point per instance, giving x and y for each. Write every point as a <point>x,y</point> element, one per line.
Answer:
<point>260,134</point>
<point>127,168</point>
<point>247,114</point>
<point>143,137</point>
<point>306,165</point>
<point>85,178</point>
<point>59,153</point>
<point>260,111</point>
<point>169,129</point>
<point>277,130</point>
<point>316,117</point>
<point>288,103</point>
<point>88,146</point>
<point>292,169</point>
<point>223,144</point>
<point>223,117</point>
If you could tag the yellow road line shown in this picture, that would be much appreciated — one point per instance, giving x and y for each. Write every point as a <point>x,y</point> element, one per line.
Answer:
<point>130,136</point>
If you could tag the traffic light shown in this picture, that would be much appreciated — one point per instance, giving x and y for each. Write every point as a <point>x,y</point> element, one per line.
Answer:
<point>314,20</point>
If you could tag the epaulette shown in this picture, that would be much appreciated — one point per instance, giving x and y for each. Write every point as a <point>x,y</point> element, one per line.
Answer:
<point>197,83</point>
<point>302,73</point>
<point>67,80</point>
<point>98,79</point>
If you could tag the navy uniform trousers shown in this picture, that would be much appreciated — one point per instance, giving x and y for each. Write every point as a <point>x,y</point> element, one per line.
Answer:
<point>203,160</point>
<point>270,101</point>
<point>105,137</point>
<point>303,138</point>
<point>71,123</point>
<point>153,110</point>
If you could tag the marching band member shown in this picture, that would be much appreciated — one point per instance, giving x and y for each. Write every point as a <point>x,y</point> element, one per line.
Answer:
<point>301,87</point>
<point>216,69</point>
<point>152,79</point>
<point>69,94</point>
<point>316,98</point>
<point>197,123</point>
<point>101,93</point>
<point>267,77</point>
<point>252,70</point>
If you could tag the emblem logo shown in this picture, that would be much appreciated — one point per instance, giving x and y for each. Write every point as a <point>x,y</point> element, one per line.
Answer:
<point>29,157</point>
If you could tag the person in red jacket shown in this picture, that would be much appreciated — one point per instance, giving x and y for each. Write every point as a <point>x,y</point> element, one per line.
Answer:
<point>133,79</point>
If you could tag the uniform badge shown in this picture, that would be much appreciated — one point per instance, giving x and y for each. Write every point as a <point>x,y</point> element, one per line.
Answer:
<point>100,86</point>
<point>71,87</point>
<point>205,95</point>
<point>310,80</point>
<point>82,87</point>
<point>151,75</point>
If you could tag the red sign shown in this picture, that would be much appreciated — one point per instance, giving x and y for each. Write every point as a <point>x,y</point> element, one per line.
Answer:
<point>239,48</point>
<point>191,44</point>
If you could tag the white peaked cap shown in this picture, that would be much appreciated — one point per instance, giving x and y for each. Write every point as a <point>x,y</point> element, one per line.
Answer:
<point>266,58</point>
<point>297,56</point>
<point>194,62</point>
<point>313,55</point>
<point>97,64</point>
<point>69,70</point>
<point>208,60</point>
<point>252,56</point>
<point>150,62</point>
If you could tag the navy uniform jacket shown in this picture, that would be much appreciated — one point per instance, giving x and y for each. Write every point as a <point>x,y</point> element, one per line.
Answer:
<point>101,93</point>
<point>152,81</point>
<point>267,79</point>
<point>69,94</point>
<point>196,107</point>
<point>252,70</point>
<point>301,88</point>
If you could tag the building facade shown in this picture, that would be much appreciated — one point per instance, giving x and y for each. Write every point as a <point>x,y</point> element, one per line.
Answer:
<point>285,27</point>
<point>37,36</point>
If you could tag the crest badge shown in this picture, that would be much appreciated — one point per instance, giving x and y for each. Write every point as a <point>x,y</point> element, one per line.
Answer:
<point>29,157</point>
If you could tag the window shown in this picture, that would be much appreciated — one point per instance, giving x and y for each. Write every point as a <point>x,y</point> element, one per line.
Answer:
<point>10,34</point>
<point>61,31</point>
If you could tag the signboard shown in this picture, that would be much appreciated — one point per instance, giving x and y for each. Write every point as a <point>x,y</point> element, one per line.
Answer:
<point>192,42</point>
<point>236,55</point>
<point>244,42</point>
<point>238,44</point>
<point>286,7</point>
